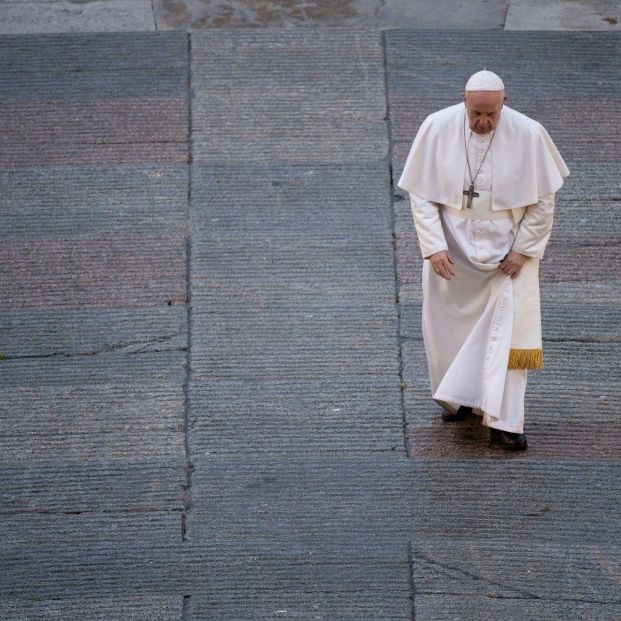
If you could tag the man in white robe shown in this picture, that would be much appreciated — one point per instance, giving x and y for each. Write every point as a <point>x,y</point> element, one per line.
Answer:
<point>481,179</point>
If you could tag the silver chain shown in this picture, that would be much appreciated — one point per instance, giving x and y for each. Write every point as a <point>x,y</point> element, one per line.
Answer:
<point>472,181</point>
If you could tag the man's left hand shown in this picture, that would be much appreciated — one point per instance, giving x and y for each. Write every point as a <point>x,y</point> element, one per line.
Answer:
<point>512,264</point>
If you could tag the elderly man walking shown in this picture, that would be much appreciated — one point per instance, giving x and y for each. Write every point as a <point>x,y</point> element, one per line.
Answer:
<point>481,179</point>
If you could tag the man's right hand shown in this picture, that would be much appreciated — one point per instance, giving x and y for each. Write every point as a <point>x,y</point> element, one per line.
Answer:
<point>441,264</point>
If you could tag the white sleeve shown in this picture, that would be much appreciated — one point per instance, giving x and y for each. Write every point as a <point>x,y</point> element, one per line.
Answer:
<point>535,228</point>
<point>428,226</point>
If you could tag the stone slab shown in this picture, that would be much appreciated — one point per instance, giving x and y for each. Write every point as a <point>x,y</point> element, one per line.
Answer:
<point>451,608</point>
<point>353,601</point>
<point>604,15</point>
<point>278,346</point>
<point>141,484</point>
<point>524,60</point>
<point>288,96</point>
<point>42,532</point>
<point>330,507</point>
<point>61,154</point>
<point>250,588</point>
<point>586,261</point>
<point>245,583</point>
<point>82,570</point>
<point>46,201</point>
<point>133,608</point>
<point>447,14</point>
<point>49,563</point>
<point>291,197</point>
<point>280,561</point>
<point>66,16</point>
<point>105,367</point>
<point>563,502</point>
<point>114,121</point>
<point>235,580</point>
<point>429,437</point>
<point>581,223</point>
<point>95,68</point>
<point>303,416</point>
<point>52,55</point>
<point>110,422</point>
<point>318,259</point>
<point>91,100</point>
<point>79,434</point>
<point>516,573</point>
<point>110,271</point>
<point>88,331</point>
<point>94,105</point>
<point>93,86</point>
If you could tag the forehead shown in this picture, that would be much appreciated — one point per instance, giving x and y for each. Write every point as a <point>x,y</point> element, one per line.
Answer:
<point>484,101</point>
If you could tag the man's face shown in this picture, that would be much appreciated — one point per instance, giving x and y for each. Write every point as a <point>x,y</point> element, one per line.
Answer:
<point>483,109</point>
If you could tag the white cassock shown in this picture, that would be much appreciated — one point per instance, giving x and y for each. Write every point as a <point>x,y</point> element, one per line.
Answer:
<point>481,322</point>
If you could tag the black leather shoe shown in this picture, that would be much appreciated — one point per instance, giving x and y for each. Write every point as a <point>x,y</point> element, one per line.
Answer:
<point>508,440</point>
<point>462,414</point>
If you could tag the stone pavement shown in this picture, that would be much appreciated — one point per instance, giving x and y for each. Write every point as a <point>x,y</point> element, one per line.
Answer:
<point>215,403</point>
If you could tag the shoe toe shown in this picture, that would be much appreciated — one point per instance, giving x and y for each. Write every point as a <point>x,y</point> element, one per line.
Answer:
<point>462,413</point>
<point>508,440</point>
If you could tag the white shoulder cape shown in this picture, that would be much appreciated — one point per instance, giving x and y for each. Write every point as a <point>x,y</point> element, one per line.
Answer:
<point>525,162</point>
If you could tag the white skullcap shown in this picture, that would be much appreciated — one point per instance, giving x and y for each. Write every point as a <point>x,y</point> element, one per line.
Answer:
<point>485,81</point>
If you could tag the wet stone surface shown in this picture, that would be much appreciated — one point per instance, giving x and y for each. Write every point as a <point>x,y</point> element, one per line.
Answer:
<point>199,14</point>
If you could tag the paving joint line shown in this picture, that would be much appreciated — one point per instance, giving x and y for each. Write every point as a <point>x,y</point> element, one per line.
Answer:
<point>393,220</point>
<point>189,467</point>
<point>104,350</point>
<point>456,569</point>
<point>411,580</point>
<point>505,15</point>
<point>153,14</point>
<point>185,608</point>
<point>97,511</point>
<point>397,301</point>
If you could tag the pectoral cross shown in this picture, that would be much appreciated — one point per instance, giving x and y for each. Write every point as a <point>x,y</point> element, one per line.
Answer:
<point>470,193</point>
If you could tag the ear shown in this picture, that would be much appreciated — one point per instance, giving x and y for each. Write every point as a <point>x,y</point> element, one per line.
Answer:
<point>463,96</point>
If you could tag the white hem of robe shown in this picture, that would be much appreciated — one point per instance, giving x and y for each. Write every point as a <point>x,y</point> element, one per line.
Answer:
<point>464,382</point>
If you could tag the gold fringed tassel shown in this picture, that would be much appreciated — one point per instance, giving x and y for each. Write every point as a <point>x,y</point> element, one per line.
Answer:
<point>525,359</point>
